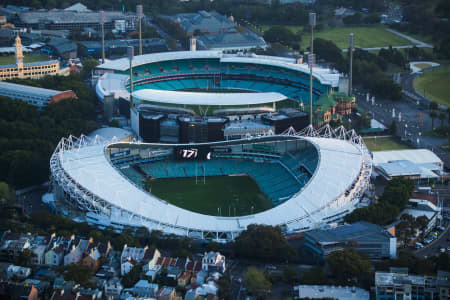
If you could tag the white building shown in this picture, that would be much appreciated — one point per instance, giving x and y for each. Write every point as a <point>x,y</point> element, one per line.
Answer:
<point>113,288</point>
<point>334,292</point>
<point>19,272</point>
<point>418,208</point>
<point>213,262</point>
<point>130,257</point>
<point>417,164</point>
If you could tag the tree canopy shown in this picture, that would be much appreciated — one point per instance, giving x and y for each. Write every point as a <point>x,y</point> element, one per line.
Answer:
<point>263,242</point>
<point>394,198</point>
<point>256,282</point>
<point>28,136</point>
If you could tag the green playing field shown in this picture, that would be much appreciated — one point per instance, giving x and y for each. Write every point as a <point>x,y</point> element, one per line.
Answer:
<point>218,195</point>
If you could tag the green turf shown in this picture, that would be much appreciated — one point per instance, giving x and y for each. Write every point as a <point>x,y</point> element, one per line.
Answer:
<point>364,36</point>
<point>434,84</point>
<point>234,195</point>
<point>383,144</point>
<point>10,59</point>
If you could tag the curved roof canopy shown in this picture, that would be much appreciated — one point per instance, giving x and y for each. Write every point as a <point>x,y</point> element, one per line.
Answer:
<point>199,98</point>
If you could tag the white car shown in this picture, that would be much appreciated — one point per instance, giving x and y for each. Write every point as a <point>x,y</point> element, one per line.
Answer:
<point>442,250</point>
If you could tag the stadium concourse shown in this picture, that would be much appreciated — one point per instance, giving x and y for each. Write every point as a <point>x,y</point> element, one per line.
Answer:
<point>325,173</point>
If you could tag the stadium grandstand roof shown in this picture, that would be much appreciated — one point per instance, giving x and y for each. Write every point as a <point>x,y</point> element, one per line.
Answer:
<point>324,75</point>
<point>111,133</point>
<point>199,98</point>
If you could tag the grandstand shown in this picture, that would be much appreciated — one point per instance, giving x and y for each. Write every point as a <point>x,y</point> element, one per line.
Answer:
<point>180,71</point>
<point>304,180</point>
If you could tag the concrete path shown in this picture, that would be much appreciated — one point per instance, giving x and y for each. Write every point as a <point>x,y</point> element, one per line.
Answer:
<point>414,69</point>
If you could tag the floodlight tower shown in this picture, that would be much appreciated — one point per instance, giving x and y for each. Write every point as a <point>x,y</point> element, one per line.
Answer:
<point>102,23</point>
<point>350,71</point>
<point>311,61</point>
<point>130,53</point>
<point>139,11</point>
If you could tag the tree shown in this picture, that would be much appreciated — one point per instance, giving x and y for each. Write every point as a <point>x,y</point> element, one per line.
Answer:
<point>214,246</point>
<point>433,115</point>
<point>88,66</point>
<point>132,277</point>
<point>442,117</point>
<point>314,276</point>
<point>224,284</point>
<point>264,242</point>
<point>281,34</point>
<point>348,265</point>
<point>422,224</point>
<point>78,273</point>
<point>290,274</point>
<point>393,128</point>
<point>7,194</point>
<point>256,282</point>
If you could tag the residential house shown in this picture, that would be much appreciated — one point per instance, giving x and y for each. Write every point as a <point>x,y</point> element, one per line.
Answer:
<point>76,252</point>
<point>183,280</point>
<point>130,257</point>
<point>39,245</point>
<point>167,293</point>
<point>58,247</point>
<point>113,288</point>
<point>213,262</point>
<point>13,244</point>
<point>143,288</point>
<point>93,254</point>
<point>18,271</point>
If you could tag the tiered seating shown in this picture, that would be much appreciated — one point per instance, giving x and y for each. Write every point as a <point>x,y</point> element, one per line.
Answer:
<point>134,176</point>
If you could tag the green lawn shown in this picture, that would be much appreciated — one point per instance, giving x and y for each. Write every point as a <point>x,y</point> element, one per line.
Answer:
<point>10,59</point>
<point>422,66</point>
<point>229,193</point>
<point>364,36</point>
<point>383,144</point>
<point>434,84</point>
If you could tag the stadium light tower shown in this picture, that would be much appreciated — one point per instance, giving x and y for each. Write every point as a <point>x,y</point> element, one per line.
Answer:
<point>139,11</point>
<point>350,71</point>
<point>130,53</point>
<point>102,23</point>
<point>311,61</point>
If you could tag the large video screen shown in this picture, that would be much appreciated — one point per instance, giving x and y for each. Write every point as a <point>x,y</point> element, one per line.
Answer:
<point>193,153</point>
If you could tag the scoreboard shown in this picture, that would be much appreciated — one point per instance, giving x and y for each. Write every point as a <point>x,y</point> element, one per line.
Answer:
<point>193,153</point>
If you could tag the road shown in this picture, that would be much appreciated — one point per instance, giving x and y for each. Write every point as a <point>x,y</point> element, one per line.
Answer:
<point>434,247</point>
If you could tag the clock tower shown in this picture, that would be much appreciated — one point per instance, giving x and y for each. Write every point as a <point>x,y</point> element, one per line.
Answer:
<point>19,56</point>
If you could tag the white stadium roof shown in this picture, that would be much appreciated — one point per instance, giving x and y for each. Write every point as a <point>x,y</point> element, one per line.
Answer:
<point>198,98</point>
<point>341,163</point>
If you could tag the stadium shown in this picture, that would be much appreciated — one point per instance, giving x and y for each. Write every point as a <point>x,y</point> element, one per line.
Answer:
<point>214,190</point>
<point>213,90</point>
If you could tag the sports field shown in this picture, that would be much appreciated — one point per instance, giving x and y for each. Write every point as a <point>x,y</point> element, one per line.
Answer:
<point>434,84</point>
<point>383,144</point>
<point>10,59</point>
<point>364,36</point>
<point>219,195</point>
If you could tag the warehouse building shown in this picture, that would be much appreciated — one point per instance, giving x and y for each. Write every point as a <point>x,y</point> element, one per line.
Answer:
<point>32,95</point>
<point>364,237</point>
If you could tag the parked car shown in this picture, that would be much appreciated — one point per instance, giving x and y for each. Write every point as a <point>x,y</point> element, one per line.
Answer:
<point>442,250</point>
<point>418,245</point>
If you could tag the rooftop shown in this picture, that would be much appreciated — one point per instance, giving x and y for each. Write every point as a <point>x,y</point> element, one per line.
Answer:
<point>359,232</point>
<point>40,92</point>
<point>202,21</point>
<point>335,292</point>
